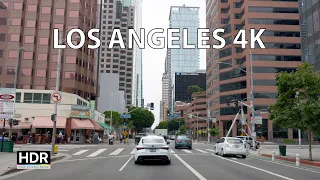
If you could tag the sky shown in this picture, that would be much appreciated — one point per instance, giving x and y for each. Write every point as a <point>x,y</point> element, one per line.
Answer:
<point>155,14</point>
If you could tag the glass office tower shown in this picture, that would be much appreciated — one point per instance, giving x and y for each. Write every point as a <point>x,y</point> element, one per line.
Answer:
<point>183,60</point>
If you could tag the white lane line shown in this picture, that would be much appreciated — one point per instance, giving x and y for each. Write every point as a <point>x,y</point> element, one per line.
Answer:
<point>234,158</point>
<point>133,151</point>
<point>190,168</point>
<point>211,150</point>
<point>116,152</point>
<point>80,152</point>
<point>269,172</point>
<point>187,151</point>
<point>171,151</point>
<point>202,151</point>
<point>125,163</point>
<point>96,153</point>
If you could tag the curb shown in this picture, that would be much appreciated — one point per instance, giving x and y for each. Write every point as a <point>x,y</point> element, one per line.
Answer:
<point>14,169</point>
<point>305,162</point>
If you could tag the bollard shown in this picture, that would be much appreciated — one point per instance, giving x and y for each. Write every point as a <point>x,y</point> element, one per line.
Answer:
<point>297,160</point>
<point>259,154</point>
<point>273,154</point>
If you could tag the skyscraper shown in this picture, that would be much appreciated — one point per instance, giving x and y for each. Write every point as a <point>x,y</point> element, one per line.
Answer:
<point>30,24</point>
<point>183,60</point>
<point>282,53</point>
<point>310,27</point>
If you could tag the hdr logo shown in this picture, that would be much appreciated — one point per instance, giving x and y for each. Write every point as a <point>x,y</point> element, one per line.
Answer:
<point>33,160</point>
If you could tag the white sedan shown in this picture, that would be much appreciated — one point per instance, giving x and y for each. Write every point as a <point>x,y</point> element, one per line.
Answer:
<point>152,147</point>
<point>230,146</point>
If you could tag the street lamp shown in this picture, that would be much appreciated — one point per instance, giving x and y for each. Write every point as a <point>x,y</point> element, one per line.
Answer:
<point>251,98</point>
<point>57,89</point>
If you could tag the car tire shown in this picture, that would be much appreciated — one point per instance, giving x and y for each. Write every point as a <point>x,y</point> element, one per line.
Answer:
<point>215,151</point>
<point>175,147</point>
<point>169,162</point>
<point>222,153</point>
<point>136,162</point>
<point>190,148</point>
<point>243,156</point>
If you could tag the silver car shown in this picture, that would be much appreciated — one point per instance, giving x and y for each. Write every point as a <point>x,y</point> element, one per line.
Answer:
<point>231,146</point>
<point>248,140</point>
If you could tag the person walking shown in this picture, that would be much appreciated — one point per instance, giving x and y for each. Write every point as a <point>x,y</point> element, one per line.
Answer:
<point>96,138</point>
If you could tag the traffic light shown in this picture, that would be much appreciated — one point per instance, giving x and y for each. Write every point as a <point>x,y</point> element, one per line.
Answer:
<point>124,122</point>
<point>168,112</point>
<point>151,106</point>
<point>228,102</point>
<point>53,117</point>
<point>15,122</point>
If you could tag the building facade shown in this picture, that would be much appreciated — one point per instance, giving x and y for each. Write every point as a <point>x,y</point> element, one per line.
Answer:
<point>118,15</point>
<point>310,32</point>
<point>182,60</point>
<point>282,53</point>
<point>29,25</point>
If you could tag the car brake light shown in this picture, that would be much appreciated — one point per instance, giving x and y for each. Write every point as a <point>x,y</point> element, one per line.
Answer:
<point>177,141</point>
<point>139,149</point>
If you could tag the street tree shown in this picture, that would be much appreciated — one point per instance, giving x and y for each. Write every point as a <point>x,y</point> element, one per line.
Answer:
<point>116,120</point>
<point>141,118</point>
<point>130,125</point>
<point>298,99</point>
<point>193,89</point>
<point>182,130</point>
<point>214,132</point>
<point>174,124</point>
<point>162,125</point>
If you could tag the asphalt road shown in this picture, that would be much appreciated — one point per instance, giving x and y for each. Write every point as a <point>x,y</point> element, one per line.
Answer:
<point>108,162</point>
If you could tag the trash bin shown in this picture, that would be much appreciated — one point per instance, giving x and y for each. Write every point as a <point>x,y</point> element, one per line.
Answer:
<point>7,146</point>
<point>283,150</point>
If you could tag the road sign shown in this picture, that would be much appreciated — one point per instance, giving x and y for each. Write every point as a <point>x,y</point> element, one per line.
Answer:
<point>56,97</point>
<point>174,116</point>
<point>258,119</point>
<point>7,102</point>
<point>125,116</point>
<point>126,110</point>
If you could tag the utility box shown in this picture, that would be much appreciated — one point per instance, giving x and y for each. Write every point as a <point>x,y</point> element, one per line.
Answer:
<point>7,146</point>
<point>283,150</point>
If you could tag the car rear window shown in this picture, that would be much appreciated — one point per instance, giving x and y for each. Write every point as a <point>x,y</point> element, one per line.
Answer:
<point>234,141</point>
<point>147,141</point>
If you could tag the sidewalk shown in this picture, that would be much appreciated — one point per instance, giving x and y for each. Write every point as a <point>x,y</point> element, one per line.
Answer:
<point>291,155</point>
<point>8,162</point>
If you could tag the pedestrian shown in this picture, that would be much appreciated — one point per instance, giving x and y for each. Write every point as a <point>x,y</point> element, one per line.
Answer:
<point>47,137</point>
<point>121,137</point>
<point>40,137</point>
<point>60,137</point>
<point>96,138</point>
<point>29,138</point>
<point>20,137</point>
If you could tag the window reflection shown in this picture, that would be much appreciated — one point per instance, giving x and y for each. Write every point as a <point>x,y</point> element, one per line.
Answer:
<point>69,75</point>
<point>29,39</point>
<point>54,58</point>
<point>73,13</point>
<point>41,87</point>
<point>53,74</point>
<point>58,26</point>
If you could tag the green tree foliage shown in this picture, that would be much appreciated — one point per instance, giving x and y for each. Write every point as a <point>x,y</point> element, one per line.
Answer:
<point>162,125</point>
<point>141,118</point>
<point>182,130</point>
<point>302,111</point>
<point>214,132</point>
<point>174,124</point>
<point>193,89</point>
<point>116,120</point>
<point>130,125</point>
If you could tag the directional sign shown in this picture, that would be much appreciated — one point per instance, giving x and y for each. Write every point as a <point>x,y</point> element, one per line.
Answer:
<point>56,97</point>
<point>125,116</point>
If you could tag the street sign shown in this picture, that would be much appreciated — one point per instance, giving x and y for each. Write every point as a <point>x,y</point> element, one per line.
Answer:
<point>174,116</point>
<point>125,116</point>
<point>126,110</point>
<point>7,102</point>
<point>56,97</point>
<point>258,119</point>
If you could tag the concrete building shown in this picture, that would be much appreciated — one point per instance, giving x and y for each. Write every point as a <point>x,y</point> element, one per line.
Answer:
<point>181,108</point>
<point>282,53</point>
<point>117,14</point>
<point>30,24</point>
<point>310,30</point>
<point>110,97</point>
<point>165,88</point>
<point>182,60</point>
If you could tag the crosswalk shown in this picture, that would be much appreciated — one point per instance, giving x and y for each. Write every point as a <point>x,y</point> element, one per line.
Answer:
<point>90,153</point>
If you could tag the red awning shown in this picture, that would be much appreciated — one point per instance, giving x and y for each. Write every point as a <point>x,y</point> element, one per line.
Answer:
<point>81,124</point>
<point>45,122</point>
<point>96,126</point>
<point>21,125</point>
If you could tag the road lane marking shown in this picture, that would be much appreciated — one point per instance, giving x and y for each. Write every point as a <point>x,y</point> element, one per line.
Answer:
<point>126,163</point>
<point>171,151</point>
<point>211,150</point>
<point>269,172</point>
<point>202,151</point>
<point>133,151</point>
<point>96,153</point>
<point>190,168</point>
<point>80,152</point>
<point>186,151</point>
<point>116,152</point>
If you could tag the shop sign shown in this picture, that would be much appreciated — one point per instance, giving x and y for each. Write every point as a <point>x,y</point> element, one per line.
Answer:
<point>92,109</point>
<point>79,114</point>
<point>80,107</point>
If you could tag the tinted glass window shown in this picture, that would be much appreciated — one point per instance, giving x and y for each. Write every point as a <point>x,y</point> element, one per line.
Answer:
<point>233,86</point>
<point>234,141</point>
<point>280,46</point>
<point>281,33</point>
<point>273,10</point>
<point>231,110</point>
<point>232,74</point>
<point>147,141</point>
<point>266,95</point>
<point>265,82</point>
<point>223,99</point>
<point>271,70</point>
<point>271,21</point>
<point>275,58</point>
<point>225,53</point>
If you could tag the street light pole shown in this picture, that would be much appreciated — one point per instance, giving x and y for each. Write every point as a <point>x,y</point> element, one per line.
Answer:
<point>56,104</point>
<point>253,124</point>
<point>209,116</point>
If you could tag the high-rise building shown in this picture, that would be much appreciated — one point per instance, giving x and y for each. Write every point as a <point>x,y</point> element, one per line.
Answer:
<point>282,53</point>
<point>29,25</point>
<point>310,27</point>
<point>117,14</point>
<point>183,60</point>
<point>165,88</point>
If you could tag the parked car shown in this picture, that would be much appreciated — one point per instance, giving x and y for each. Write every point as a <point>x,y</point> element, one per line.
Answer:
<point>230,146</point>
<point>248,140</point>
<point>153,148</point>
<point>183,142</point>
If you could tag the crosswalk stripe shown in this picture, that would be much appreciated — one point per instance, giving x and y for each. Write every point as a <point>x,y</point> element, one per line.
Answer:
<point>96,153</point>
<point>133,151</point>
<point>171,151</point>
<point>210,150</point>
<point>201,151</point>
<point>116,152</point>
<point>80,152</point>
<point>186,151</point>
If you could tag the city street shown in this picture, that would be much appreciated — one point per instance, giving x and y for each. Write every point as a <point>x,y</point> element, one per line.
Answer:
<point>117,162</point>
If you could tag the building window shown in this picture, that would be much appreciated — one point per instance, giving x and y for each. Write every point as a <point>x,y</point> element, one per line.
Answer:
<point>74,1</point>
<point>44,25</point>
<point>60,12</point>
<point>17,6</point>
<point>32,8</point>
<point>11,70</point>
<point>41,98</point>
<point>13,54</point>
<point>71,60</point>
<point>30,23</point>
<point>42,57</point>
<point>29,39</point>
<point>15,37</point>
<point>58,26</point>
<point>74,14</point>
<point>53,74</point>
<point>44,41</point>
<point>41,73</point>
<point>18,97</point>
<point>46,10</point>
<point>26,72</point>
<point>16,22</point>
<point>69,75</point>
<point>28,55</point>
